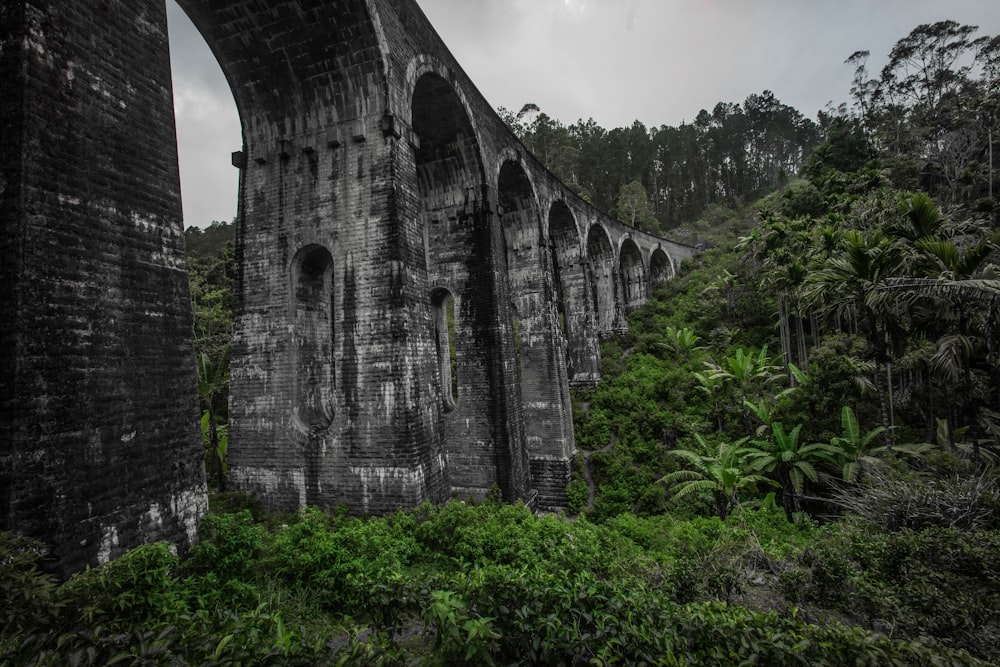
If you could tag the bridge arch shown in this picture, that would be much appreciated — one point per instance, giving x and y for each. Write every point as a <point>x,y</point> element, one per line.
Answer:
<point>538,352</point>
<point>417,71</point>
<point>459,258</point>
<point>574,308</point>
<point>520,222</point>
<point>350,33</point>
<point>660,266</point>
<point>603,278</point>
<point>633,274</point>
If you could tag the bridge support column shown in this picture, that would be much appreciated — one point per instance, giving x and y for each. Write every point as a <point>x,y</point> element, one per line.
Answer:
<point>333,399</point>
<point>99,444</point>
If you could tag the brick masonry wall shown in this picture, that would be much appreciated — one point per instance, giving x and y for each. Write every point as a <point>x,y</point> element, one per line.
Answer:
<point>99,448</point>
<point>374,179</point>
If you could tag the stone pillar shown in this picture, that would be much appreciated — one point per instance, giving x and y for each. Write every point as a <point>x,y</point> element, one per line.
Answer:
<point>99,443</point>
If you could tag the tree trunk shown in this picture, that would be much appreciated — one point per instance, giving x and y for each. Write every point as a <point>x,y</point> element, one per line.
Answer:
<point>783,328</point>
<point>802,338</point>
<point>213,439</point>
<point>789,498</point>
<point>928,402</point>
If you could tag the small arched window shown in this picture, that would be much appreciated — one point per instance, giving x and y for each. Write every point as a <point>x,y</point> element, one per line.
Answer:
<point>443,304</point>
<point>312,337</point>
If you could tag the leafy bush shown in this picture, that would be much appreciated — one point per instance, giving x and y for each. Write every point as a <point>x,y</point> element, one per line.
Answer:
<point>29,597</point>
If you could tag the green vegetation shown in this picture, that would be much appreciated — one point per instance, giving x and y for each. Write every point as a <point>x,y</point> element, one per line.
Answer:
<point>495,584</point>
<point>211,255</point>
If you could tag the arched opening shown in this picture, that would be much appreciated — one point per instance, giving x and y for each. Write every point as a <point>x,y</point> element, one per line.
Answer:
<point>522,251</point>
<point>601,262</point>
<point>660,267</point>
<point>208,125</point>
<point>573,305</point>
<point>449,166</point>
<point>545,399</point>
<point>633,275</point>
<point>312,338</point>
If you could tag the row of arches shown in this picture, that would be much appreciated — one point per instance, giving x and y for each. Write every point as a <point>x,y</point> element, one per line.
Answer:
<point>511,285</point>
<point>517,294</point>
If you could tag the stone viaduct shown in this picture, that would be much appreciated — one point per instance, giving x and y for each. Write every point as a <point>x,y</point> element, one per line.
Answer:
<point>416,293</point>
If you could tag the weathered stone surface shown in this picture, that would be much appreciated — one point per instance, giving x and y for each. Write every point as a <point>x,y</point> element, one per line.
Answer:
<point>99,448</point>
<point>416,293</point>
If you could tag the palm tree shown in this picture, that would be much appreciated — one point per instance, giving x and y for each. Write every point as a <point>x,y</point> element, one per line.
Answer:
<point>954,300</point>
<point>851,285</point>
<point>746,376</point>
<point>855,449</point>
<point>724,474</point>
<point>212,380</point>
<point>791,461</point>
<point>681,342</point>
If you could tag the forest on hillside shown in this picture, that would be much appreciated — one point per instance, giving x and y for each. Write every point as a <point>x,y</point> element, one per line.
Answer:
<point>791,457</point>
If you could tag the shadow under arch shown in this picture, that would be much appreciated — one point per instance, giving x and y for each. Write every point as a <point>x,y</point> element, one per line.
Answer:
<point>541,363</point>
<point>660,266</point>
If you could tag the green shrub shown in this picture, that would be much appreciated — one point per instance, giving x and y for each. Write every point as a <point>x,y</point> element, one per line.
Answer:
<point>138,589</point>
<point>29,597</point>
<point>230,547</point>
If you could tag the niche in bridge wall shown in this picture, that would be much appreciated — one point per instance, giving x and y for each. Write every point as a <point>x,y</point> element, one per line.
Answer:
<point>633,275</point>
<point>601,260</point>
<point>660,267</point>
<point>443,304</point>
<point>312,337</point>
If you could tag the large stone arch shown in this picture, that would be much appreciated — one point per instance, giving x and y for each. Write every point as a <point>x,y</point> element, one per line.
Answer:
<point>603,279</point>
<point>484,441</point>
<point>315,57</point>
<point>572,295</point>
<point>539,354</point>
<point>633,274</point>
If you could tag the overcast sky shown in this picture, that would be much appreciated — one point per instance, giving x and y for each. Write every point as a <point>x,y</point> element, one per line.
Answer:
<point>616,61</point>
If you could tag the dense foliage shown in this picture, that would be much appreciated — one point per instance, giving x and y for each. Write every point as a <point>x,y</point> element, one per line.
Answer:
<point>853,326</point>
<point>654,178</point>
<point>495,584</point>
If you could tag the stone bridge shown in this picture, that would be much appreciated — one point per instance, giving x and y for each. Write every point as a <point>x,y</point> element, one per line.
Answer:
<point>416,293</point>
